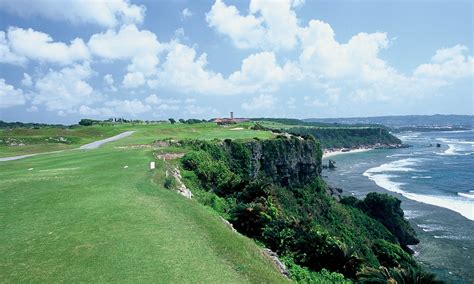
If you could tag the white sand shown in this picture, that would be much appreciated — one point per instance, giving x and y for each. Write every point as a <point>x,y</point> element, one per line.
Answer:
<point>340,152</point>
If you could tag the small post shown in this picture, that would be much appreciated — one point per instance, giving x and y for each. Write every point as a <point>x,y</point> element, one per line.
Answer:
<point>152,165</point>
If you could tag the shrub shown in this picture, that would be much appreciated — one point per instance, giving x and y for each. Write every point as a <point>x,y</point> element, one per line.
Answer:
<point>391,255</point>
<point>387,210</point>
<point>250,219</point>
<point>170,182</point>
<point>304,275</point>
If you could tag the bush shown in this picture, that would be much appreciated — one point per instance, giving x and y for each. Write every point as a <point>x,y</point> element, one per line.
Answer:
<point>391,255</point>
<point>304,275</point>
<point>387,210</point>
<point>250,219</point>
<point>88,122</point>
<point>170,182</point>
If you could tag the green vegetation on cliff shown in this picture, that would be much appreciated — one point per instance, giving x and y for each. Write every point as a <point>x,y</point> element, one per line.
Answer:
<point>272,191</point>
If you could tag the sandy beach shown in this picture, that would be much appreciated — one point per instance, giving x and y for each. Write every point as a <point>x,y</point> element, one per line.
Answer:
<point>329,153</point>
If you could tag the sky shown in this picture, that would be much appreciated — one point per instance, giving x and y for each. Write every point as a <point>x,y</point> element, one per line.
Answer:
<point>61,61</point>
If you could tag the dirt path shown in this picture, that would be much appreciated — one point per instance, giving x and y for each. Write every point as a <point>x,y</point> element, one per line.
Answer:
<point>93,145</point>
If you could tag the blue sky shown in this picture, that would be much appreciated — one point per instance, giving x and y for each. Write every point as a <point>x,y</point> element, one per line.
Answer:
<point>64,60</point>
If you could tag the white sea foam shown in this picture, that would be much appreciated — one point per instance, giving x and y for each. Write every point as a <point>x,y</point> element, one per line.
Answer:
<point>403,165</point>
<point>468,195</point>
<point>431,227</point>
<point>400,155</point>
<point>456,131</point>
<point>379,175</point>
<point>408,135</point>
<point>457,147</point>
<point>450,237</point>
<point>411,214</point>
<point>421,177</point>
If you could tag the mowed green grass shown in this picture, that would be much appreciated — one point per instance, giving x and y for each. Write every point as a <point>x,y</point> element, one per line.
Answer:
<point>145,134</point>
<point>82,216</point>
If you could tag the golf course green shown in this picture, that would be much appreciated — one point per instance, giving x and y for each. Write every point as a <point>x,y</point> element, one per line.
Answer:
<point>102,215</point>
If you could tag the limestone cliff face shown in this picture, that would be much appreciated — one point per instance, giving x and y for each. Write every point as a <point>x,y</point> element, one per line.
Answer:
<point>287,161</point>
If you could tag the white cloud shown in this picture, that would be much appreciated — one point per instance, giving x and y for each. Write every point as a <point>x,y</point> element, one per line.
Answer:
<point>184,69</point>
<point>32,109</point>
<point>108,13</point>
<point>26,81</point>
<point>127,107</point>
<point>40,46</point>
<point>280,21</point>
<point>116,108</point>
<point>65,89</point>
<point>133,80</point>
<point>153,99</point>
<point>327,57</point>
<point>261,102</point>
<point>86,110</point>
<point>7,55</point>
<point>162,104</point>
<point>244,31</point>
<point>261,72</point>
<point>269,25</point>
<point>9,96</point>
<point>109,79</point>
<point>448,63</point>
<point>186,13</point>
<point>129,43</point>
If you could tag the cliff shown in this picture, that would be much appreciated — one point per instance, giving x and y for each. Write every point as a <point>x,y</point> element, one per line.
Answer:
<point>286,161</point>
<point>272,191</point>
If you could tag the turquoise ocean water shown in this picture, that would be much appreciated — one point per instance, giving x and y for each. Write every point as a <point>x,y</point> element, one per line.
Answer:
<point>436,186</point>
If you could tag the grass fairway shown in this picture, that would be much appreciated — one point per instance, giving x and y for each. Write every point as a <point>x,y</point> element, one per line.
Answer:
<point>35,140</point>
<point>82,216</point>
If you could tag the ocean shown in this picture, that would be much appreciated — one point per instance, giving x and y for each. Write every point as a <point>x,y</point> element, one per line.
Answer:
<point>436,186</point>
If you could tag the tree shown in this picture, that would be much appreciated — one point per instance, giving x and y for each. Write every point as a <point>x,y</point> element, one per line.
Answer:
<point>87,122</point>
<point>172,121</point>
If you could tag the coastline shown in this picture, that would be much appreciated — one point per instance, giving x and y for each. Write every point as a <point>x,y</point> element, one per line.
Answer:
<point>331,153</point>
<point>423,176</point>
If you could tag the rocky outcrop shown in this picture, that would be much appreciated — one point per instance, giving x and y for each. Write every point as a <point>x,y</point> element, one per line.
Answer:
<point>180,187</point>
<point>287,161</point>
<point>278,263</point>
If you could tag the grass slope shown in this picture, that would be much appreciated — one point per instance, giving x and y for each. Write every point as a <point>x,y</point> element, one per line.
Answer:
<point>82,216</point>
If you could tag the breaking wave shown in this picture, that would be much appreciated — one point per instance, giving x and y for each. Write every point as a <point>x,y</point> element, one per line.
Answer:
<point>383,175</point>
